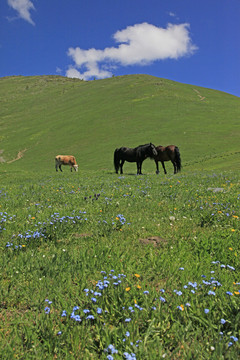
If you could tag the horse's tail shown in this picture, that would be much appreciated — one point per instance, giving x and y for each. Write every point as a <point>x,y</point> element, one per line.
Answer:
<point>178,159</point>
<point>116,160</point>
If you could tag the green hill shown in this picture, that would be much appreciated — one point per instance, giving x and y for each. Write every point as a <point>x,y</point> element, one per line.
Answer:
<point>42,116</point>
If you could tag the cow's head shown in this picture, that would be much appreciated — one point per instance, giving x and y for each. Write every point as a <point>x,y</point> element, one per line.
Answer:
<point>75,167</point>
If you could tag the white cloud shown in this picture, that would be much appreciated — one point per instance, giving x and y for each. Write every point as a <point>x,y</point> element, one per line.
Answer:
<point>140,44</point>
<point>23,8</point>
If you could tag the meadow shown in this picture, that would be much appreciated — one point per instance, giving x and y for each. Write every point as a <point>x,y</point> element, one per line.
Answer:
<point>97,265</point>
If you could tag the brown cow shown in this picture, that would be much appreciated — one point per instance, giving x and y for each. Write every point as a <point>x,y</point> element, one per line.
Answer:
<point>65,160</point>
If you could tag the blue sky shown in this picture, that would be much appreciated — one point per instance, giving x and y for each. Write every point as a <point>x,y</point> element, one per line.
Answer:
<point>190,41</point>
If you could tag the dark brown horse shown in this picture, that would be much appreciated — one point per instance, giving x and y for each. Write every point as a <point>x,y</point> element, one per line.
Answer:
<point>166,153</point>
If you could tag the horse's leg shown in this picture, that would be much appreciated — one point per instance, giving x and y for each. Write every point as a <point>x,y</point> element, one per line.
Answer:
<point>60,167</point>
<point>157,171</point>
<point>117,165</point>
<point>175,167</point>
<point>138,168</point>
<point>163,167</point>
<point>121,166</point>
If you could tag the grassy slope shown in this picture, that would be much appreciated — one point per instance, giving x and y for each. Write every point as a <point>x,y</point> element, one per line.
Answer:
<point>48,115</point>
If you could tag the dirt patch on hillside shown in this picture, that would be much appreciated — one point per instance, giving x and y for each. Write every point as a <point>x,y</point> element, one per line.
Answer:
<point>19,156</point>
<point>199,95</point>
<point>2,160</point>
<point>154,240</point>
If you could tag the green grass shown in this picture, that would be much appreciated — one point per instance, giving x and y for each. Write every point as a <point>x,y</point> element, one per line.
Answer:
<point>60,231</point>
<point>48,115</point>
<point>63,230</point>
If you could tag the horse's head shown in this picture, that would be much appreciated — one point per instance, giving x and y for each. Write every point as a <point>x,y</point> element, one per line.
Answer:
<point>153,150</point>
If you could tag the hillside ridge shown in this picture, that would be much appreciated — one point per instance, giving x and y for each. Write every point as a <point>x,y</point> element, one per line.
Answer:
<point>54,114</point>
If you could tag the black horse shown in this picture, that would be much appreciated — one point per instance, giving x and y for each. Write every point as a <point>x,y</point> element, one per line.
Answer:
<point>138,155</point>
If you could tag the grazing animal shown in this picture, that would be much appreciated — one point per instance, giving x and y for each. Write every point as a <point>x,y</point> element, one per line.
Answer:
<point>66,160</point>
<point>138,155</point>
<point>166,153</point>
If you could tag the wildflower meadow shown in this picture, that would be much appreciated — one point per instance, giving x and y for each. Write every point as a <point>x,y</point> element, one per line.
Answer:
<point>79,282</point>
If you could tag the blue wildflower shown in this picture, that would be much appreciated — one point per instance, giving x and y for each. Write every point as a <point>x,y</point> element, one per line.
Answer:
<point>111,348</point>
<point>90,317</point>
<point>77,318</point>
<point>211,292</point>
<point>223,321</point>
<point>128,356</point>
<point>234,338</point>
<point>128,320</point>
<point>206,311</point>
<point>47,310</point>
<point>231,267</point>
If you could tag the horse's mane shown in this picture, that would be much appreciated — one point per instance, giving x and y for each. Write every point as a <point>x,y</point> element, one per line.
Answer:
<point>144,145</point>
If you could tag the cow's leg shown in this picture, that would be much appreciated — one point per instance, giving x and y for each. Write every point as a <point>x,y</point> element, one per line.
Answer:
<point>163,167</point>
<point>56,167</point>
<point>60,167</point>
